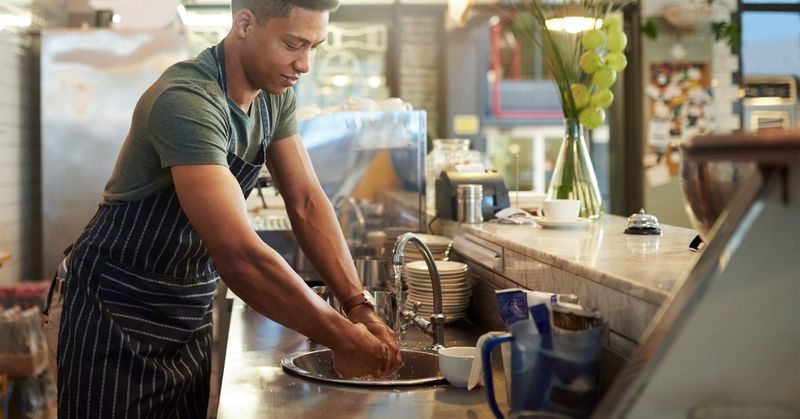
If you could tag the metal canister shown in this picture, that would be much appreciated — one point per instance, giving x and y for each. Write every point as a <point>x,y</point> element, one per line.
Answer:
<point>468,205</point>
<point>373,271</point>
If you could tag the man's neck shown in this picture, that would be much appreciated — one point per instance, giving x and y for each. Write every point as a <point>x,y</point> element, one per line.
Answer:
<point>239,89</point>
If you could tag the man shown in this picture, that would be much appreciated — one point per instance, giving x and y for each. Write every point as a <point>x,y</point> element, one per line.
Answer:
<point>135,330</point>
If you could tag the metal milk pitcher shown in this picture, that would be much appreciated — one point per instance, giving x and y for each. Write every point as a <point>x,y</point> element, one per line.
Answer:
<point>373,271</point>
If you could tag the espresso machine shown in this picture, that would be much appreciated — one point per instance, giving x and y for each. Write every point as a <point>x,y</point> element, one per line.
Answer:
<point>495,193</point>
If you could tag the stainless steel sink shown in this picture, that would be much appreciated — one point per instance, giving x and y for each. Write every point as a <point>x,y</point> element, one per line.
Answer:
<point>419,367</point>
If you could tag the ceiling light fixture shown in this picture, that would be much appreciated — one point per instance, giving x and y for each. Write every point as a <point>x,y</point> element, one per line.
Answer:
<point>341,80</point>
<point>573,24</point>
<point>14,17</point>
<point>572,18</point>
<point>18,21</point>
<point>457,11</point>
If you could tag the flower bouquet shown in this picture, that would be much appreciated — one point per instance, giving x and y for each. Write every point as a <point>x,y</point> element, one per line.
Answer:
<point>583,47</point>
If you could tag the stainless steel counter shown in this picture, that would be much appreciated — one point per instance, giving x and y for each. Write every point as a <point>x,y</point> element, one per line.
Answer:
<point>255,386</point>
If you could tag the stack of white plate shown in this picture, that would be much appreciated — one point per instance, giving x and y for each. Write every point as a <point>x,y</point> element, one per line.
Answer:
<point>456,289</point>
<point>439,246</point>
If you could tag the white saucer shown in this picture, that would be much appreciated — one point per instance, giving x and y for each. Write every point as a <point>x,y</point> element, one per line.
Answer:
<point>577,223</point>
<point>435,241</point>
<point>421,267</point>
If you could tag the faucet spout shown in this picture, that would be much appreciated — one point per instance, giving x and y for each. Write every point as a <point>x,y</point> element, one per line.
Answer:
<point>361,222</point>
<point>438,317</point>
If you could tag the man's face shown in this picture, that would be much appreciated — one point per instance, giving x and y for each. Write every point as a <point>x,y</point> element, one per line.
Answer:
<point>277,53</point>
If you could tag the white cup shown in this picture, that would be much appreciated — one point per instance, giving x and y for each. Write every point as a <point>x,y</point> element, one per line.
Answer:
<point>455,363</point>
<point>529,201</point>
<point>561,209</point>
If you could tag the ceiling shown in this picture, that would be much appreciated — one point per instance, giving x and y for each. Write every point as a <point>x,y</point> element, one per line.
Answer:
<point>85,6</point>
<point>219,3</point>
<point>159,13</point>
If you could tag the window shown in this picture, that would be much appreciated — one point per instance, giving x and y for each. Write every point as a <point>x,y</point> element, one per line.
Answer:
<point>770,37</point>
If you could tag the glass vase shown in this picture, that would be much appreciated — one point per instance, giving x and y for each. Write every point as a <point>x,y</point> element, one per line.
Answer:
<point>573,176</point>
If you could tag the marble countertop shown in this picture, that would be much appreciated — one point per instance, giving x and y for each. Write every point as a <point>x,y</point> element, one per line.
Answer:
<point>647,267</point>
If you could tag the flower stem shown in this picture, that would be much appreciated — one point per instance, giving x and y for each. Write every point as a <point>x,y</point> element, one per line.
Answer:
<point>572,135</point>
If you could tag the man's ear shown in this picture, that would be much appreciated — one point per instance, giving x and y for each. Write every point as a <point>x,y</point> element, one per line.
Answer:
<point>243,22</point>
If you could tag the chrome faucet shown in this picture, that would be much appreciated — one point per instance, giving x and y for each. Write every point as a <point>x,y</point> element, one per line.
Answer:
<point>434,327</point>
<point>338,204</point>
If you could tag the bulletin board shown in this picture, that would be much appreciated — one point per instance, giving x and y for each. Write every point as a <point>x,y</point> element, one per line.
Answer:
<point>679,96</point>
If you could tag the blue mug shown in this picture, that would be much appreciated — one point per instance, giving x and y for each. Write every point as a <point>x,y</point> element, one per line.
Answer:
<point>551,372</point>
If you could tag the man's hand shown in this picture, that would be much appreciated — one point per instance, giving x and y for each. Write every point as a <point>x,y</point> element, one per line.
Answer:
<point>366,359</point>
<point>365,315</point>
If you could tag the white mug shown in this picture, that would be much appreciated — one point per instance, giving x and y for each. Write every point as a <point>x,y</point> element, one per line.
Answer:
<point>561,209</point>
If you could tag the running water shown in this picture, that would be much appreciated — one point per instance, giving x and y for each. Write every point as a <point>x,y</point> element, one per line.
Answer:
<point>398,296</point>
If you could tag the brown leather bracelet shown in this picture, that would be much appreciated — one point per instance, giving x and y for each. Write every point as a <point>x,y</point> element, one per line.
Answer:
<point>354,302</point>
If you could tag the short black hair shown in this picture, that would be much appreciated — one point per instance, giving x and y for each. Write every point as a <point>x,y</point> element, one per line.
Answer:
<point>265,9</point>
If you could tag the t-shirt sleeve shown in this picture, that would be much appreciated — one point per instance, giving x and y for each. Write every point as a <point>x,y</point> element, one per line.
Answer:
<point>187,126</point>
<point>286,122</point>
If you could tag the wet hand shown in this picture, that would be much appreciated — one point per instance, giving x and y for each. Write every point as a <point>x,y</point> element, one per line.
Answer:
<point>365,359</point>
<point>376,326</point>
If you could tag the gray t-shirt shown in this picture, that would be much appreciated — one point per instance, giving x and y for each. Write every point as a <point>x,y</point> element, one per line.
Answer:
<point>183,118</point>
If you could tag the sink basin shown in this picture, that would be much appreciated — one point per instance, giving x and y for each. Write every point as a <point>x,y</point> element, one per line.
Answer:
<point>419,367</point>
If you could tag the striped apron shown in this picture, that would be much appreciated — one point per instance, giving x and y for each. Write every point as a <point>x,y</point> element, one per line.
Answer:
<point>135,335</point>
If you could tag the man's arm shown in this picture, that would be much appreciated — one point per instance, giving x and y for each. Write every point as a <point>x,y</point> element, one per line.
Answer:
<point>212,200</point>
<point>318,232</point>
<point>313,219</point>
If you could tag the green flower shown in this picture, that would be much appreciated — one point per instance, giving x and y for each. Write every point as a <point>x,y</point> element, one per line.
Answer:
<point>583,63</point>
